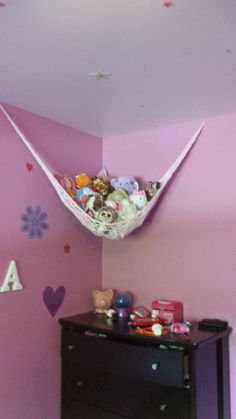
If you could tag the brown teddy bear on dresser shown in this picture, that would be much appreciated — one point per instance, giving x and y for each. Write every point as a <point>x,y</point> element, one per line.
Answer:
<point>102,300</point>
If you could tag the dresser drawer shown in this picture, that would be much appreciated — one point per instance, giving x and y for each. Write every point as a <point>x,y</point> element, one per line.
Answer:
<point>126,397</point>
<point>72,409</point>
<point>125,360</point>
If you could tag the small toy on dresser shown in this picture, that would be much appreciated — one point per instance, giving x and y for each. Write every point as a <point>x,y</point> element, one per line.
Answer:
<point>102,300</point>
<point>122,305</point>
<point>165,318</point>
<point>141,311</point>
<point>168,311</point>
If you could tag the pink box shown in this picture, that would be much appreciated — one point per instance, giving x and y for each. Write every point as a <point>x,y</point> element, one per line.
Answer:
<point>168,311</point>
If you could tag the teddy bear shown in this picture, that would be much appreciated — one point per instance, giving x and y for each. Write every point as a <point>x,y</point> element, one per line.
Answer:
<point>115,197</point>
<point>101,184</point>
<point>119,200</point>
<point>139,199</point>
<point>102,300</point>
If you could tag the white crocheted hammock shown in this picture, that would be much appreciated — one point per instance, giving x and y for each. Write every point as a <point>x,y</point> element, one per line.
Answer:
<point>114,230</point>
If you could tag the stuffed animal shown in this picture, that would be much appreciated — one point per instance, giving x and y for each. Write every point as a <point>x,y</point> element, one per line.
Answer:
<point>114,198</point>
<point>107,215</point>
<point>119,200</point>
<point>139,199</point>
<point>126,182</point>
<point>102,185</point>
<point>94,204</point>
<point>82,196</point>
<point>126,210</point>
<point>151,189</point>
<point>67,184</point>
<point>102,300</point>
<point>82,180</point>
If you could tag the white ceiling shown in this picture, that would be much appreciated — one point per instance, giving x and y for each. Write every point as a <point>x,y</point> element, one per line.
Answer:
<point>167,64</point>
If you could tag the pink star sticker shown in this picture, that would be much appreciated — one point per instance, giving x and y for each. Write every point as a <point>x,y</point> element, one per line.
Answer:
<point>29,166</point>
<point>168,3</point>
<point>67,248</point>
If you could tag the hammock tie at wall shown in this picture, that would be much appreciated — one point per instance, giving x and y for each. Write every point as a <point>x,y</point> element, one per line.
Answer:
<point>114,230</point>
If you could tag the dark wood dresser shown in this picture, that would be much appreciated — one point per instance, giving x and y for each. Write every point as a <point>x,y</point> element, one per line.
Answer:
<point>109,372</point>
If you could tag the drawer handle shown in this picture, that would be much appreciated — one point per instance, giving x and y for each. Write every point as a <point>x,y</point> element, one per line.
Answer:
<point>80,383</point>
<point>155,365</point>
<point>163,407</point>
<point>71,347</point>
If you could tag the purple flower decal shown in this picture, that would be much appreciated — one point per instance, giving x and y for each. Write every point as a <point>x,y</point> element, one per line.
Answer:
<point>34,222</point>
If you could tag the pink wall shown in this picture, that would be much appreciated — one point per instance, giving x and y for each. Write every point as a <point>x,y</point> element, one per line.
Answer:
<point>29,344</point>
<point>187,248</point>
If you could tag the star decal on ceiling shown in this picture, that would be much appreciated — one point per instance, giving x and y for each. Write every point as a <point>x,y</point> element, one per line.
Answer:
<point>99,74</point>
<point>168,3</point>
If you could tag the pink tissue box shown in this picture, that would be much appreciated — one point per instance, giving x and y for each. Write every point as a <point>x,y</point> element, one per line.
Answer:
<point>168,311</point>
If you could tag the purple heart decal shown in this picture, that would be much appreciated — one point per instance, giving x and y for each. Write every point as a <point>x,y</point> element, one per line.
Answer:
<point>53,299</point>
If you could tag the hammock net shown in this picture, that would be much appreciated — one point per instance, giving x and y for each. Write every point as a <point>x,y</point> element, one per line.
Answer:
<point>115,230</point>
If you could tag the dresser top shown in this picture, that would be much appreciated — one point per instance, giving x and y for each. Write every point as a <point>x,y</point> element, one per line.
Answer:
<point>120,329</point>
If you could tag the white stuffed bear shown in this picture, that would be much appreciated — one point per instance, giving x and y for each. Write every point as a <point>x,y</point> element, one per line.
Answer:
<point>119,200</point>
<point>139,198</point>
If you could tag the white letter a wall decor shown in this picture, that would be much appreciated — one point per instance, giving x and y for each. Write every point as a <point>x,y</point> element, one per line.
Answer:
<point>12,278</point>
